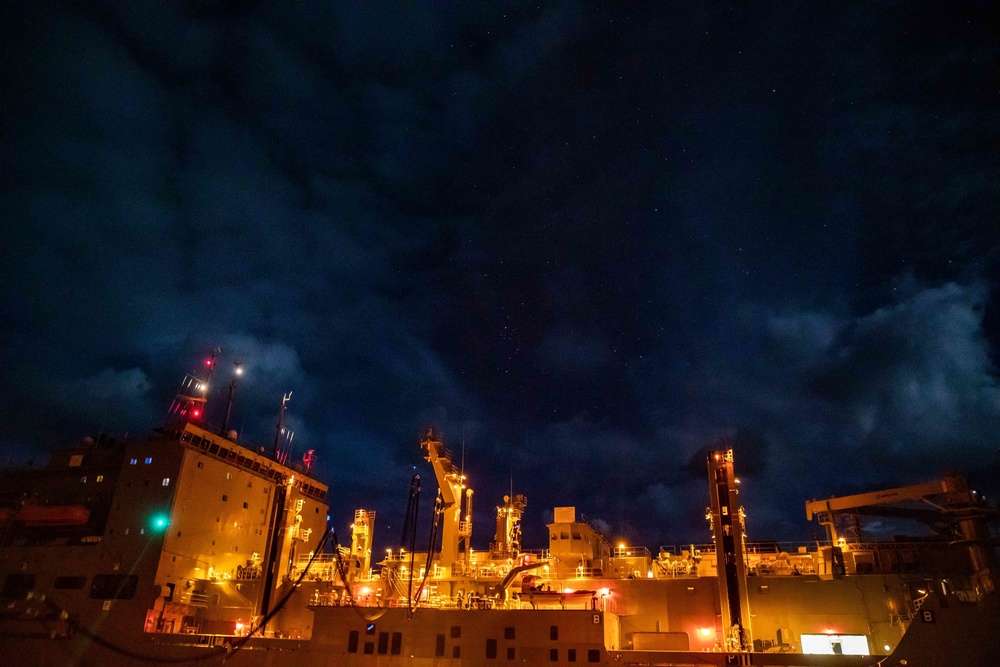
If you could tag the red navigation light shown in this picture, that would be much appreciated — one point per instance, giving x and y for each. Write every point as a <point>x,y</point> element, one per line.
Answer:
<point>196,413</point>
<point>208,362</point>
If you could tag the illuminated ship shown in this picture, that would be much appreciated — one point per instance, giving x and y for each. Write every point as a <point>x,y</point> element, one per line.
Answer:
<point>189,547</point>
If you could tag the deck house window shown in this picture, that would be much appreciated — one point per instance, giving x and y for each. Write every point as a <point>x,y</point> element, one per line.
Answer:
<point>114,586</point>
<point>18,585</point>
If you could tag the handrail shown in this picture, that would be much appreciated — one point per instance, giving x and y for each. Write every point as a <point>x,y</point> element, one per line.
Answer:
<point>631,552</point>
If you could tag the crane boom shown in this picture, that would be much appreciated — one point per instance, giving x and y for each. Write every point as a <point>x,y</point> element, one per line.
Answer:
<point>456,529</point>
<point>914,492</point>
<point>964,513</point>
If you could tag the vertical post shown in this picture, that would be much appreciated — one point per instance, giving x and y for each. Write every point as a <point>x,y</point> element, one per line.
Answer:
<point>237,371</point>
<point>281,423</point>
<point>730,550</point>
<point>275,536</point>
<point>210,362</point>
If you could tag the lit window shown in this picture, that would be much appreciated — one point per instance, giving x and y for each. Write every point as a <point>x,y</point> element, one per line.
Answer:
<point>149,459</point>
<point>229,475</point>
<point>835,644</point>
<point>83,479</point>
<point>100,478</point>
<point>166,481</point>
<point>132,462</point>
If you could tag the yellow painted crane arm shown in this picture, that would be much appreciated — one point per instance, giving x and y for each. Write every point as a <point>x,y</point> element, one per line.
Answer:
<point>448,478</point>
<point>914,492</point>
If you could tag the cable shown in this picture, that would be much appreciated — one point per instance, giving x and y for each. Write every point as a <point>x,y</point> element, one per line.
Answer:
<point>263,622</point>
<point>342,570</point>
<point>410,530</point>
<point>225,651</point>
<point>438,512</point>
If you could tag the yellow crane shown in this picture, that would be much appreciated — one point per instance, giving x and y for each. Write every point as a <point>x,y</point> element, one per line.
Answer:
<point>456,531</point>
<point>948,500</point>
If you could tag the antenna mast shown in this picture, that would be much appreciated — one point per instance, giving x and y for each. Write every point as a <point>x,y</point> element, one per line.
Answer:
<point>237,371</point>
<point>281,423</point>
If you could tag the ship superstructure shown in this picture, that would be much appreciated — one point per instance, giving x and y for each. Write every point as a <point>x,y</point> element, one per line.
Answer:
<point>189,546</point>
<point>211,529</point>
<point>727,598</point>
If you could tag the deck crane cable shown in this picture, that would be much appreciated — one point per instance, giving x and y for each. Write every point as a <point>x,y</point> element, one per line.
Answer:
<point>342,571</point>
<point>435,523</point>
<point>281,603</point>
<point>410,531</point>
<point>225,652</point>
<point>412,504</point>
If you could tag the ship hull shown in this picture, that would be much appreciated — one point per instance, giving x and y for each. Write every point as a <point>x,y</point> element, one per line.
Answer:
<point>958,633</point>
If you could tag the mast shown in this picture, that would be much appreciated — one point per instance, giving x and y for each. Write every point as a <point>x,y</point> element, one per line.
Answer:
<point>281,423</point>
<point>210,363</point>
<point>237,371</point>
<point>728,531</point>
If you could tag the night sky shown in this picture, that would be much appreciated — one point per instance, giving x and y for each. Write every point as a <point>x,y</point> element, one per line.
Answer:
<point>592,240</point>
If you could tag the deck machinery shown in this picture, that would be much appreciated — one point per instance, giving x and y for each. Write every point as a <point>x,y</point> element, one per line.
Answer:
<point>456,529</point>
<point>178,546</point>
<point>948,506</point>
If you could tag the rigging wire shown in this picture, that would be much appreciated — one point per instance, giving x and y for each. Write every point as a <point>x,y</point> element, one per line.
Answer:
<point>435,522</point>
<point>410,531</point>
<point>342,571</point>
<point>225,652</point>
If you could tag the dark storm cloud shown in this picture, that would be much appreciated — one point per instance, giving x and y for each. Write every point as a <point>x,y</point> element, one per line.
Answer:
<point>591,242</point>
<point>832,404</point>
<point>903,393</point>
<point>225,179</point>
<point>928,381</point>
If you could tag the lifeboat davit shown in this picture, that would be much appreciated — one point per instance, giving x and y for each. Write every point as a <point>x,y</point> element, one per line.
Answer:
<point>52,515</point>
